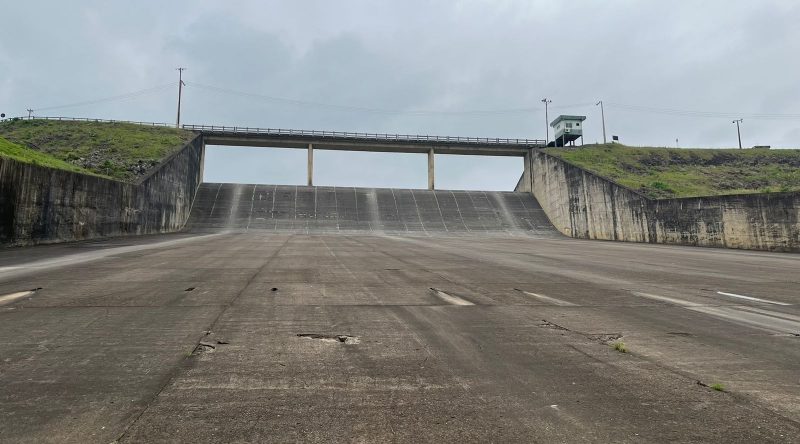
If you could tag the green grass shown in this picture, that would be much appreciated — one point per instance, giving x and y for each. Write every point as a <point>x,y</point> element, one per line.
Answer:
<point>718,387</point>
<point>27,155</point>
<point>620,347</point>
<point>120,151</point>
<point>671,172</point>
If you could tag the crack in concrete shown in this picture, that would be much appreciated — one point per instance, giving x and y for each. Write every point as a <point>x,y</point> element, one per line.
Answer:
<point>344,339</point>
<point>181,365</point>
<point>603,338</point>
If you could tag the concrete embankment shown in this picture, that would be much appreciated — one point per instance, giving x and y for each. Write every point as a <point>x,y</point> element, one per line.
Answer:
<point>583,205</point>
<point>43,205</point>
<point>335,209</point>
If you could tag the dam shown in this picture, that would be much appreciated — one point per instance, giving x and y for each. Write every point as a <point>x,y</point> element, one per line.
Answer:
<point>173,309</point>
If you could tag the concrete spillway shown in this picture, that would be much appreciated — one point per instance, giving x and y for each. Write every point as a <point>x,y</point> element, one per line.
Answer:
<point>331,209</point>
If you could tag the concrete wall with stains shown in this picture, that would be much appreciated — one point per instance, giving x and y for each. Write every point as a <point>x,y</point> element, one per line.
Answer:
<point>43,205</point>
<point>583,205</point>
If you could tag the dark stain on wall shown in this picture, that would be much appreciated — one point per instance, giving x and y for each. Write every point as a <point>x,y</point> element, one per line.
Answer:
<point>583,205</point>
<point>43,205</point>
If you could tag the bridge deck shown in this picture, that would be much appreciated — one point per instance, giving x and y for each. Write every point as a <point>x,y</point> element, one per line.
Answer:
<point>337,140</point>
<point>346,141</point>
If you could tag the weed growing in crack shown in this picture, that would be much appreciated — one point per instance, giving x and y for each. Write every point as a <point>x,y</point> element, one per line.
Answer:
<point>620,347</point>
<point>718,387</point>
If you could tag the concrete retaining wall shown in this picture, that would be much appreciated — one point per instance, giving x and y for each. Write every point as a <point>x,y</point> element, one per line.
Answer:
<point>583,205</point>
<point>43,205</point>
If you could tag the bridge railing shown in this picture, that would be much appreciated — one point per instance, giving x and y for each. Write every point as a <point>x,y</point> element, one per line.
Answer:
<point>87,119</point>
<point>243,130</point>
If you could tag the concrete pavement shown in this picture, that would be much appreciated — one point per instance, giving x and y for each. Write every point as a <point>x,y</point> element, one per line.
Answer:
<point>270,337</point>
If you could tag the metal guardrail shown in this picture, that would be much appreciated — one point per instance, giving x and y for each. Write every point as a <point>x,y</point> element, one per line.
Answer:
<point>244,130</point>
<point>86,119</point>
<point>241,130</point>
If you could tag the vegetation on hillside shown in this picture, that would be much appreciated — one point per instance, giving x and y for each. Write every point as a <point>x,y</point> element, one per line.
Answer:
<point>27,155</point>
<point>121,151</point>
<point>673,172</point>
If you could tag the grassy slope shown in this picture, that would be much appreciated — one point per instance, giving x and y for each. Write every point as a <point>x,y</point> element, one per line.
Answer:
<point>671,172</point>
<point>121,151</point>
<point>27,155</point>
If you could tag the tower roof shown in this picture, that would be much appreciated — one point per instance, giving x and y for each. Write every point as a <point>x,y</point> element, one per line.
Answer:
<point>567,117</point>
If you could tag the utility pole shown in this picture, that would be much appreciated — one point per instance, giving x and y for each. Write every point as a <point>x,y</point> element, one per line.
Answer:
<point>603,115</point>
<point>30,113</point>
<point>180,91</point>
<point>546,101</point>
<point>738,132</point>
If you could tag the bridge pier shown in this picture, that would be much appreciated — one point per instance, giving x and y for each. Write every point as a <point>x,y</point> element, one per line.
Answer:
<point>527,173</point>
<point>430,169</point>
<point>310,164</point>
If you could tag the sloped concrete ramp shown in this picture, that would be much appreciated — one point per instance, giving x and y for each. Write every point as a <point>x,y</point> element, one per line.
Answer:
<point>303,209</point>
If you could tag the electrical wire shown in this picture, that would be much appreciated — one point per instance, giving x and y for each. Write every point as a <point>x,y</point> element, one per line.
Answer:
<point>306,103</point>
<point>710,114</point>
<point>418,112</point>
<point>121,97</point>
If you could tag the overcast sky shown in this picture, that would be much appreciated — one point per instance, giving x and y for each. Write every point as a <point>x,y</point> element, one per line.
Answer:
<point>420,67</point>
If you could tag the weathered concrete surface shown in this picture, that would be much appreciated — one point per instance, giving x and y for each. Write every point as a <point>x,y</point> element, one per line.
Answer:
<point>43,205</point>
<point>379,210</point>
<point>378,143</point>
<point>187,341</point>
<point>583,205</point>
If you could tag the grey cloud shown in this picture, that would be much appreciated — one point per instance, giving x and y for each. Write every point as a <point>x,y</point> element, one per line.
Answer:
<point>726,56</point>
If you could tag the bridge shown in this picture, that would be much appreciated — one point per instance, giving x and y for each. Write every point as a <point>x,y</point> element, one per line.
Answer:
<point>373,142</point>
<point>355,141</point>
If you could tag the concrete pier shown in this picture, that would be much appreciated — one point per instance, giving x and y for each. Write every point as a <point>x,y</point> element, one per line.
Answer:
<point>527,173</point>
<point>431,168</point>
<point>310,164</point>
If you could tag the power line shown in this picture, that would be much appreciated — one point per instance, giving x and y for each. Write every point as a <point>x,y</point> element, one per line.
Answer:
<point>711,114</point>
<point>126,96</point>
<point>357,108</point>
<point>352,108</point>
<point>423,112</point>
